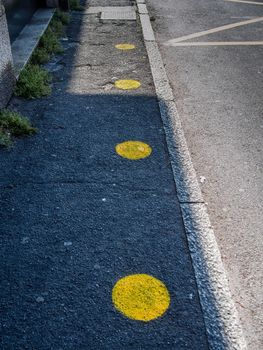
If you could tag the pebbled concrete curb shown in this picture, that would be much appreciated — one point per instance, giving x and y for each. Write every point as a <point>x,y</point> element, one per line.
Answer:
<point>220,315</point>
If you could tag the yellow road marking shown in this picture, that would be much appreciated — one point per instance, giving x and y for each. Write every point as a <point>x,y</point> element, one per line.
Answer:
<point>125,47</point>
<point>127,84</point>
<point>133,150</point>
<point>141,297</point>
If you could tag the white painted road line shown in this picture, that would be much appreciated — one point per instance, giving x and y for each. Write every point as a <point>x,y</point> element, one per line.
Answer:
<point>220,314</point>
<point>214,30</point>
<point>247,2</point>
<point>219,43</point>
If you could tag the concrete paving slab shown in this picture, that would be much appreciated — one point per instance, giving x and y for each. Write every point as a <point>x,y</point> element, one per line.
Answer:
<point>118,13</point>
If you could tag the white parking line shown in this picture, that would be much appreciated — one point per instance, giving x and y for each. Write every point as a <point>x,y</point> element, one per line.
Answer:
<point>211,31</point>
<point>220,43</point>
<point>247,2</point>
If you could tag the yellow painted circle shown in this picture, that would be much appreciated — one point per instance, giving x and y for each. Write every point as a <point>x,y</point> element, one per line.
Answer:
<point>127,84</point>
<point>133,150</point>
<point>141,297</point>
<point>125,46</point>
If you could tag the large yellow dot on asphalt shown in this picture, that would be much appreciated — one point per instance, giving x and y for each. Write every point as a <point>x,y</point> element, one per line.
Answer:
<point>127,84</point>
<point>141,297</point>
<point>133,150</point>
<point>125,46</point>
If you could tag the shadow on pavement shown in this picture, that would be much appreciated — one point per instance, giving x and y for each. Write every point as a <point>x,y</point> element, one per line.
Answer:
<point>76,217</point>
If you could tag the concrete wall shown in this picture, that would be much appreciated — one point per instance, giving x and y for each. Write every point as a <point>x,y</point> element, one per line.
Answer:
<point>7,78</point>
<point>7,2</point>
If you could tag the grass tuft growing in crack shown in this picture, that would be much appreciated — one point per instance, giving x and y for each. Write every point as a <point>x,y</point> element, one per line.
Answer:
<point>13,124</point>
<point>33,82</point>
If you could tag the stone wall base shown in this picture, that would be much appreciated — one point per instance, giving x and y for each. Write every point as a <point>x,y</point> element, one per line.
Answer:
<point>7,76</point>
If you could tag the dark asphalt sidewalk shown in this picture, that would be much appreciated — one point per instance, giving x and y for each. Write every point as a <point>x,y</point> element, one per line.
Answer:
<point>76,217</point>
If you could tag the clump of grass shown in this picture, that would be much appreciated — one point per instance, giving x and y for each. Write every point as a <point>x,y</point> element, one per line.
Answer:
<point>75,5</point>
<point>57,27</point>
<point>33,82</point>
<point>13,124</point>
<point>49,41</point>
<point>62,17</point>
<point>40,56</point>
<point>5,139</point>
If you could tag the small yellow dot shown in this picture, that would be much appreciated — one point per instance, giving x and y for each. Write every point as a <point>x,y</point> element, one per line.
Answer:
<point>141,297</point>
<point>125,46</point>
<point>127,84</point>
<point>133,150</point>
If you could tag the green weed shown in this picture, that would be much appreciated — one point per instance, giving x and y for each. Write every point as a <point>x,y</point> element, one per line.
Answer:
<point>5,139</point>
<point>61,16</point>
<point>40,56</point>
<point>75,5</point>
<point>33,82</point>
<point>13,124</point>
<point>57,27</point>
<point>49,41</point>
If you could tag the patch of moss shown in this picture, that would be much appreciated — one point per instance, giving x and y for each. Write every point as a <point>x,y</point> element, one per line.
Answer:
<point>13,124</point>
<point>33,82</point>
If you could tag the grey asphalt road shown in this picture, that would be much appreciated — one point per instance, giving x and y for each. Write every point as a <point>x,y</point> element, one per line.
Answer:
<point>218,92</point>
<point>76,217</point>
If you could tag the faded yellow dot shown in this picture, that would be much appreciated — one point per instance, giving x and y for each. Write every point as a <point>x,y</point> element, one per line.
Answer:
<point>127,84</point>
<point>141,297</point>
<point>133,150</point>
<point>125,46</point>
